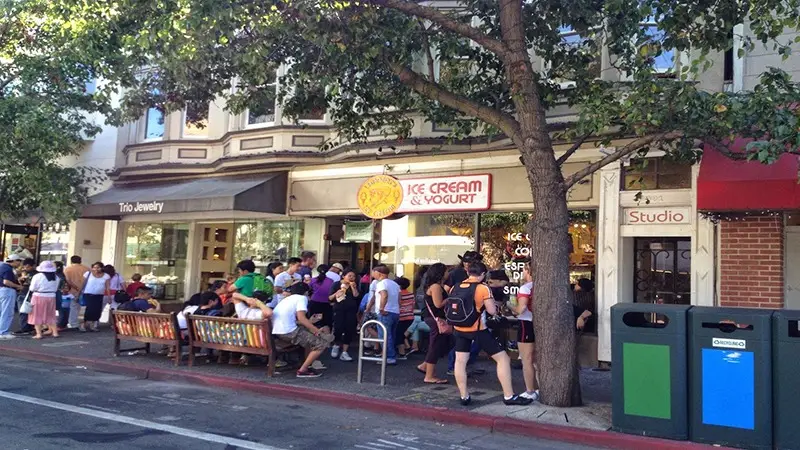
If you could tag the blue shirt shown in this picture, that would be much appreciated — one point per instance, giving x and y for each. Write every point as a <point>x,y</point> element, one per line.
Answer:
<point>141,305</point>
<point>303,271</point>
<point>7,273</point>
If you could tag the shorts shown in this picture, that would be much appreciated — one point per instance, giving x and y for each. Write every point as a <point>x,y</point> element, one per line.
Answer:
<point>525,333</point>
<point>306,339</point>
<point>483,338</point>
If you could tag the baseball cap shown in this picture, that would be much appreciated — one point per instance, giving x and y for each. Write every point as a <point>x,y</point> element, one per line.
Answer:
<point>14,257</point>
<point>471,256</point>
<point>337,266</point>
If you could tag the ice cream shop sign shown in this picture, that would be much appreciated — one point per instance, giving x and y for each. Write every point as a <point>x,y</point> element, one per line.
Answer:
<point>441,194</point>
<point>657,216</point>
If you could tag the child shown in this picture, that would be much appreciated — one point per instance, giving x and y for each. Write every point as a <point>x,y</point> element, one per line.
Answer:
<point>407,303</point>
<point>66,304</point>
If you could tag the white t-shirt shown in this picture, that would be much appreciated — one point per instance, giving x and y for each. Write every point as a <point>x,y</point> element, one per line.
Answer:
<point>285,280</point>
<point>115,282</point>
<point>182,316</point>
<point>284,316</point>
<point>40,285</point>
<point>333,276</point>
<point>243,311</point>
<point>524,295</point>
<point>392,296</point>
<point>95,285</point>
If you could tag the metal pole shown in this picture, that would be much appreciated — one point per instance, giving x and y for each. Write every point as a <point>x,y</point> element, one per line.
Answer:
<point>383,341</point>
<point>372,247</point>
<point>476,230</point>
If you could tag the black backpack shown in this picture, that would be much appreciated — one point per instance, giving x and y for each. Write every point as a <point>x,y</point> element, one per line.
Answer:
<point>459,307</point>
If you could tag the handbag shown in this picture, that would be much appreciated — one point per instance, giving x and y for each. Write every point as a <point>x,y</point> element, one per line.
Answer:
<point>81,296</point>
<point>441,324</point>
<point>26,307</point>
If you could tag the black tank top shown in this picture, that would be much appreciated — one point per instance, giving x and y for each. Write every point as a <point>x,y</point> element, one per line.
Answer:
<point>438,312</point>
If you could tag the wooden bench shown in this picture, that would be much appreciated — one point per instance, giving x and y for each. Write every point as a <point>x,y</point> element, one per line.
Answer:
<point>149,328</point>
<point>252,337</point>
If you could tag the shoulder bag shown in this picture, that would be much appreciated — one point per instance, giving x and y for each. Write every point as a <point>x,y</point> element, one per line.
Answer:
<point>441,324</point>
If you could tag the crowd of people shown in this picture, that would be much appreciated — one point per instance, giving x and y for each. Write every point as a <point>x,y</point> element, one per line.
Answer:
<point>456,307</point>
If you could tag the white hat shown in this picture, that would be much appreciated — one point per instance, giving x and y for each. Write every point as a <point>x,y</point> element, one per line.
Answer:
<point>46,266</point>
<point>14,257</point>
<point>338,266</point>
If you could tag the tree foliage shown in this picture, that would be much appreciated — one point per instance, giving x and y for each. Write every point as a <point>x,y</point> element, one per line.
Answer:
<point>489,67</point>
<point>44,114</point>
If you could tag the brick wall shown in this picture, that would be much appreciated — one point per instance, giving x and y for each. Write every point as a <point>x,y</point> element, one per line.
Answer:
<point>751,262</point>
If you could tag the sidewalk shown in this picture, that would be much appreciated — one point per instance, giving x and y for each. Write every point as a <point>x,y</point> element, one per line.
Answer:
<point>403,394</point>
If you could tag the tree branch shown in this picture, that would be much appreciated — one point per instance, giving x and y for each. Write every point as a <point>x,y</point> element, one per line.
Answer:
<point>448,23</point>
<point>619,154</point>
<point>571,151</point>
<point>503,121</point>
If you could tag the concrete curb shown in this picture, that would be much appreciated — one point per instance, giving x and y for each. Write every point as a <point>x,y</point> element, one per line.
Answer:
<point>607,439</point>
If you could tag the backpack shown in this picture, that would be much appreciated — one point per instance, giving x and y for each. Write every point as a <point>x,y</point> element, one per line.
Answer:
<point>262,284</point>
<point>459,307</point>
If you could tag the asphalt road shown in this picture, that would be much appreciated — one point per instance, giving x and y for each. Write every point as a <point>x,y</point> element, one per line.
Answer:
<point>44,406</point>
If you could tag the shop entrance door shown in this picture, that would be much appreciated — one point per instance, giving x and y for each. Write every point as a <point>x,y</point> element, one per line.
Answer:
<point>662,272</point>
<point>792,266</point>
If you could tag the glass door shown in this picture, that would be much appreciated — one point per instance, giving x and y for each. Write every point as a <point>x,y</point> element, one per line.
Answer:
<point>662,270</point>
<point>21,240</point>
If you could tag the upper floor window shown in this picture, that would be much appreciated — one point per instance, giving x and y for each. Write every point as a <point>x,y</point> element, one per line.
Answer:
<point>657,173</point>
<point>91,87</point>
<point>663,61</point>
<point>263,110</point>
<point>573,42</point>
<point>154,124</point>
<point>195,121</point>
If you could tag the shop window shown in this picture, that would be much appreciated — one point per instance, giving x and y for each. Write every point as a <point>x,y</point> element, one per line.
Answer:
<point>262,111</point>
<point>663,59</point>
<point>154,124</point>
<point>158,252</point>
<point>266,241</point>
<point>657,173</point>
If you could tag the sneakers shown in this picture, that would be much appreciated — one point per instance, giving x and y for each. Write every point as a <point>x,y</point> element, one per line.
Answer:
<point>389,362</point>
<point>317,365</point>
<point>466,401</point>
<point>451,372</point>
<point>308,373</point>
<point>279,364</point>
<point>345,357</point>
<point>7,336</point>
<point>335,352</point>
<point>517,400</point>
<point>534,395</point>
<point>402,357</point>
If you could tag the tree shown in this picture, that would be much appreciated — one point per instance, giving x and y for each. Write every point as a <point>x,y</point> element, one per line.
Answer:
<point>484,67</point>
<point>44,110</point>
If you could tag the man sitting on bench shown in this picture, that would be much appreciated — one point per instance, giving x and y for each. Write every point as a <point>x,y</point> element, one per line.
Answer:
<point>290,324</point>
<point>143,302</point>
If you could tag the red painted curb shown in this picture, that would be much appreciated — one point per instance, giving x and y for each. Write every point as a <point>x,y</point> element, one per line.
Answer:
<point>608,439</point>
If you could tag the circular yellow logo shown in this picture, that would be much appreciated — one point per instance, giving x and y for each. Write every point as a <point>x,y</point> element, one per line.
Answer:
<point>380,196</point>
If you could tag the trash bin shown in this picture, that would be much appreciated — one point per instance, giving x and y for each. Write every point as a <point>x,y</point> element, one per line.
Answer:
<point>730,377</point>
<point>785,370</point>
<point>649,370</point>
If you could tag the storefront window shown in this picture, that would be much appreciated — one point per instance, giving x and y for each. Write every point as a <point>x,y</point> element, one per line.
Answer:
<point>54,246</point>
<point>663,270</point>
<point>266,241</point>
<point>158,252</point>
<point>411,244</point>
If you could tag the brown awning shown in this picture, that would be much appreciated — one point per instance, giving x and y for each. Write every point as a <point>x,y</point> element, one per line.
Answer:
<point>266,194</point>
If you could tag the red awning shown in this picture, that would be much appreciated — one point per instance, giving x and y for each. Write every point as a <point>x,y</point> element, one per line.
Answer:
<point>730,185</point>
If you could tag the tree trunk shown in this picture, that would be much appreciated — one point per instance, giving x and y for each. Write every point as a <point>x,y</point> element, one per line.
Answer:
<point>556,349</point>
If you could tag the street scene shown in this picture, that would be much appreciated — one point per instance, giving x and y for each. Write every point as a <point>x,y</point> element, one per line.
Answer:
<point>395,224</point>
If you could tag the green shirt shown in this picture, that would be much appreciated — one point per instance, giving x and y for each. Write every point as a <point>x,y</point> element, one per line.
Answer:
<point>244,285</point>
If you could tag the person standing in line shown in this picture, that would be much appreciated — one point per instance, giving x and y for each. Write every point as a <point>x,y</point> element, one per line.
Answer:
<point>387,306</point>
<point>273,270</point>
<point>8,294</point>
<point>345,314</point>
<point>473,290</point>
<point>44,286</point>
<point>459,274</point>
<point>62,307</point>
<point>28,271</point>
<point>320,303</point>
<point>74,275</point>
<point>335,272</point>
<point>438,343</point>
<point>406,317</point>
<point>115,283</point>
<point>285,280</point>
<point>308,260</point>
<point>526,339</point>
<point>96,286</point>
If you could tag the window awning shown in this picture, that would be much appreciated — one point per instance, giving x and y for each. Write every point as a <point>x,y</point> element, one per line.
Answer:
<point>266,194</point>
<point>729,185</point>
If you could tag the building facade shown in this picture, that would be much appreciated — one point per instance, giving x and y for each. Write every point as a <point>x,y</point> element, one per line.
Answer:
<point>188,202</point>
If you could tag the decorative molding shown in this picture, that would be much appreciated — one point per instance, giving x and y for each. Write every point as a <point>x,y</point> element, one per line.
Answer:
<point>148,155</point>
<point>307,141</point>
<point>256,144</point>
<point>192,153</point>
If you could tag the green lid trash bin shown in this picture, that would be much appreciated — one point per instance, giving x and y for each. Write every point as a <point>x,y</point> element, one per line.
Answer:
<point>730,377</point>
<point>649,370</point>
<point>786,378</point>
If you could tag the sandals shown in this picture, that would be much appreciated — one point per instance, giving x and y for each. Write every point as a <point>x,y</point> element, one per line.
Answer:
<point>436,381</point>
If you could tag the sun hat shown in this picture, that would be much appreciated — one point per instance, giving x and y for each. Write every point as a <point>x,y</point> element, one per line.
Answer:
<point>46,266</point>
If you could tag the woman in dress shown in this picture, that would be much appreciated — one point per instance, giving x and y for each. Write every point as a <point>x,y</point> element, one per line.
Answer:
<point>96,285</point>
<point>438,344</point>
<point>44,286</point>
<point>115,284</point>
